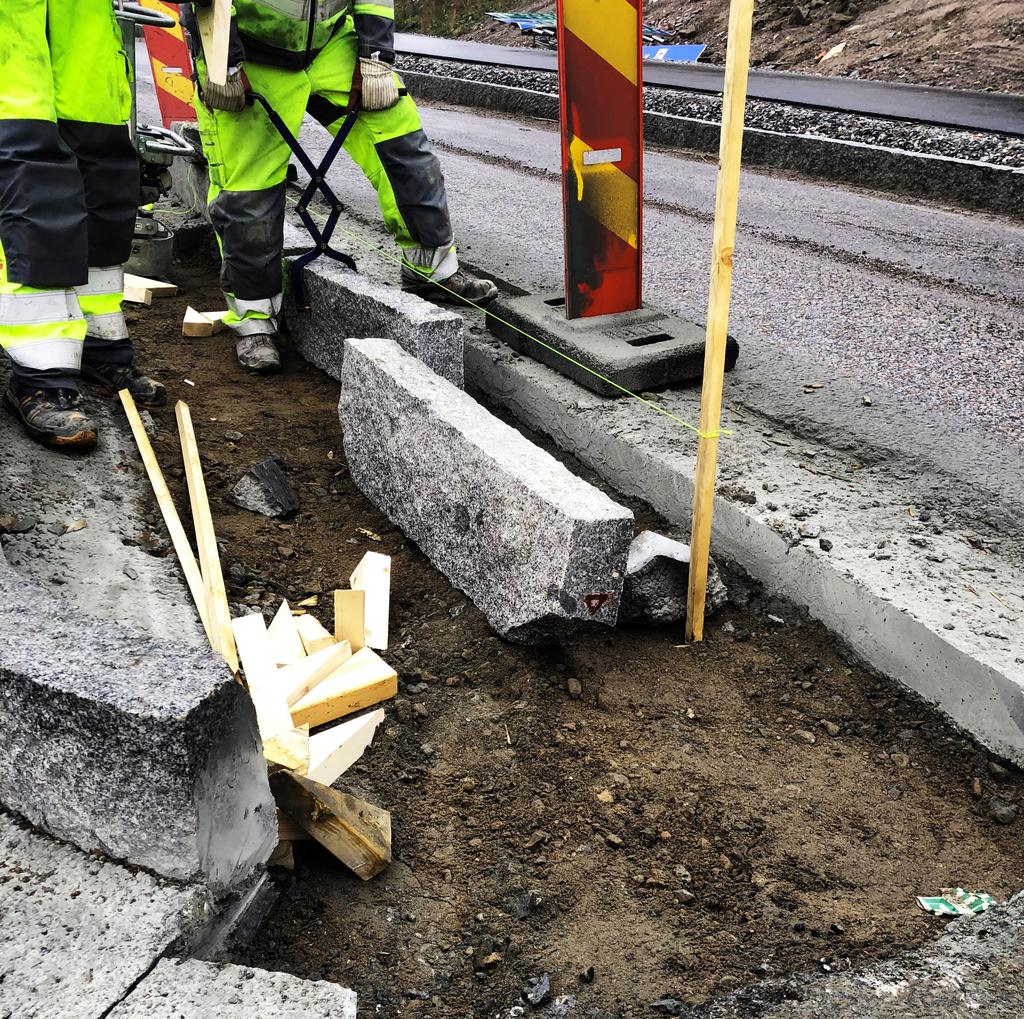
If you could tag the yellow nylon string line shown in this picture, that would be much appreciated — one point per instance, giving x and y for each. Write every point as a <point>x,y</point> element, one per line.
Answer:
<point>373,249</point>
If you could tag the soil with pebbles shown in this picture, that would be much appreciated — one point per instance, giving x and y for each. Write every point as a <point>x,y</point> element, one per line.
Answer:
<point>631,816</point>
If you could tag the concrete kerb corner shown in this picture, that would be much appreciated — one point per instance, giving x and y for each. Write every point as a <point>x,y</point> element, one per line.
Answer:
<point>345,303</point>
<point>144,750</point>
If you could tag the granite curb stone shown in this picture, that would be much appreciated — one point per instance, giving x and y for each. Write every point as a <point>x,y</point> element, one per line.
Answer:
<point>539,551</point>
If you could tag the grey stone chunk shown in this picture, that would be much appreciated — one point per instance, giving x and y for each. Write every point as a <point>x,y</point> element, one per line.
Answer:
<point>145,750</point>
<point>657,576</point>
<point>198,990</point>
<point>77,933</point>
<point>344,303</point>
<point>634,349</point>
<point>264,488</point>
<point>538,550</point>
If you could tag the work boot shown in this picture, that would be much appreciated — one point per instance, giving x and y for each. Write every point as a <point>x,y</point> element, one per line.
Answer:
<point>258,353</point>
<point>110,379</point>
<point>52,417</point>
<point>459,288</point>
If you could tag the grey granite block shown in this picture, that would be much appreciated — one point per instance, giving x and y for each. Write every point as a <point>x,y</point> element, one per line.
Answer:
<point>344,303</point>
<point>197,990</point>
<point>538,550</point>
<point>143,749</point>
<point>657,580</point>
<point>77,933</point>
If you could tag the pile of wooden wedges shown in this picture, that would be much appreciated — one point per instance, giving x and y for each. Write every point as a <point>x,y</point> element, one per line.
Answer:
<point>300,676</point>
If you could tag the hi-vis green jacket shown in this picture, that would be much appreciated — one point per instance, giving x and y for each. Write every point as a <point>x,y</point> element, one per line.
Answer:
<point>290,33</point>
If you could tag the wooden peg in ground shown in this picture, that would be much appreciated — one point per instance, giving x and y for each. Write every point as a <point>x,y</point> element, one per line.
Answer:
<point>354,831</point>
<point>261,676</point>
<point>373,576</point>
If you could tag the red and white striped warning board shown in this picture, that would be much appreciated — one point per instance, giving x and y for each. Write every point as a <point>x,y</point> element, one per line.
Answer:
<point>172,65</point>
<point>601,83</point>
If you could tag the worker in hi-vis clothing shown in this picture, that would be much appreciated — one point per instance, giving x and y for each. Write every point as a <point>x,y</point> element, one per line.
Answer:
<point>69,193</point>
<point>303,56</point>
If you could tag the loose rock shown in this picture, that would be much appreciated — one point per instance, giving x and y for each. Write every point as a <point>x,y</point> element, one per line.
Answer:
<point>265,489</point>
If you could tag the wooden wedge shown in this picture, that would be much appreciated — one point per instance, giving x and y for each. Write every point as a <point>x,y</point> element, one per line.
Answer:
<point>206,539</point>
<point>137,295</point>
<point>354,831</point>
<point>314,637</point>
<point>364,680</point>
<point>290,749</point>
<point>333,751</point>
<point>284,636</point>
<point>156,287</point>
<point>256,652</point>
<point>349,618</point>
<point>189,566</point>
<point>373,576</point>
<point>196,324</point>
<point>297,680</point>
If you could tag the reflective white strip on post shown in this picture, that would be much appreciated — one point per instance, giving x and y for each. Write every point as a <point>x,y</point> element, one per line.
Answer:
<point>46,308</point>
<point>103,281</point>
<point>597,157</point>
<point>40,354</point>
<point>110,326</point>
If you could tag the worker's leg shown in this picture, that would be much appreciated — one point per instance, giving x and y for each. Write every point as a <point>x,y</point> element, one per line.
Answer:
<point>392,149</point>
<point>93,102</point>
<point>248,162</point>
<point>43,243</point>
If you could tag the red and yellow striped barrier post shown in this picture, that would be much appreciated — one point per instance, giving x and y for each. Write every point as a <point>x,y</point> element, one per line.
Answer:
<point>601,84</point>
<point>172,66</point>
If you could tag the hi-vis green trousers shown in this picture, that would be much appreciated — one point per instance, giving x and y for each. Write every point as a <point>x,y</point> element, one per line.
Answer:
<point>69,187</point>
<point>248,162</point>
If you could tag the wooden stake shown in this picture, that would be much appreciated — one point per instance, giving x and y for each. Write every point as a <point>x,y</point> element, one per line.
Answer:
<point>333,751</point>
<point>206,540</point>
<point>215,30</point>
<point>179,539</point>
<point>373,576</point>
<point>349,618</point>
<point>730,156</point>
<point>284,635</point>
<point>257,653</point>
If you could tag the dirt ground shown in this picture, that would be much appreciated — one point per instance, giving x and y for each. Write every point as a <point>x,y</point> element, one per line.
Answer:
<point>932,42</point>
<point>698,819</point>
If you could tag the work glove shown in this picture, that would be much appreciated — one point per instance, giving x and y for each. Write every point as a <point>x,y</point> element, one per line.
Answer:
<point>230,96</point>
<point>380,90</point>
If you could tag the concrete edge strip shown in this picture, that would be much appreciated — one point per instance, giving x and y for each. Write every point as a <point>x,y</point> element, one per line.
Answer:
<point>977,695</point>
<point>973,184</point>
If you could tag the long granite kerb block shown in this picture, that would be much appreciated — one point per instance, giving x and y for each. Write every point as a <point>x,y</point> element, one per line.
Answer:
<point>144,750</point>
<point>539,551</point>
<point>344,303</point>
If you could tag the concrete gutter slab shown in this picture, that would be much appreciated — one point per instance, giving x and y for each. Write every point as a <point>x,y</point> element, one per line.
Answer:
<point>187,989</point>
<point>635,350</point>
<point>344,303</point>
<point>538,550</point>
<point>930,596</point>
<point>77,933</point>
<point>145,750</point>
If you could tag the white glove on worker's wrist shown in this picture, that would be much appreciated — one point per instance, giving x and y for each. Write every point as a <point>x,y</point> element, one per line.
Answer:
<point>380,89</point>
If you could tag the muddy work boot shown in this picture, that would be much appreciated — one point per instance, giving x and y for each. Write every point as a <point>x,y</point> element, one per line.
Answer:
<point>52,417</point>
<point>459,288</point>
<point>258,353</point>
<point>110,379</point>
